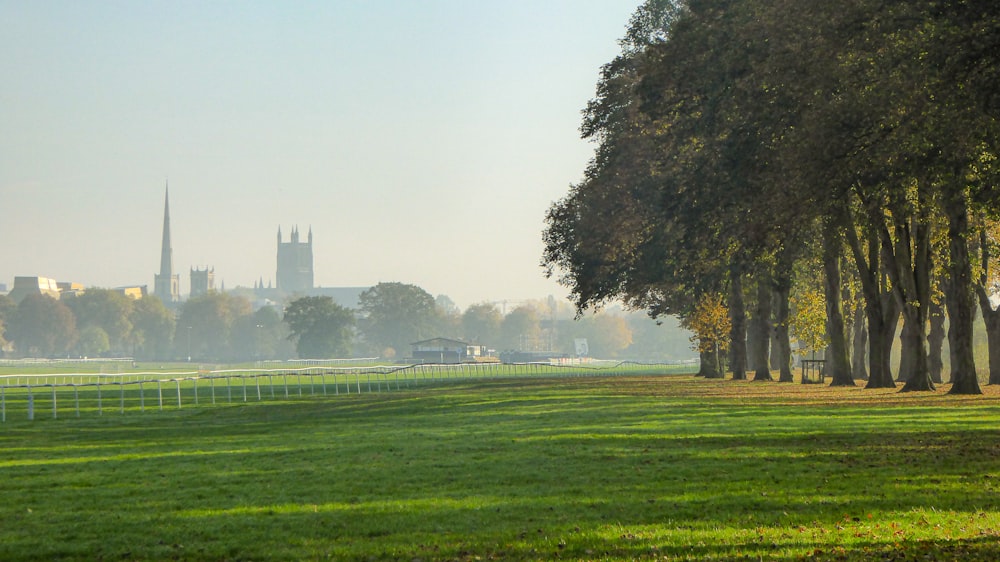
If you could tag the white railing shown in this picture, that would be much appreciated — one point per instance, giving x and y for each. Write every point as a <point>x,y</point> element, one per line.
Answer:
<point>26,395</point>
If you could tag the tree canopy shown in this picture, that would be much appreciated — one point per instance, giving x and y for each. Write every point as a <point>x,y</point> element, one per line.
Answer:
<point>319,327</point>
<point>394,315</point>
<point>736,138</point>
<point>43,327</point>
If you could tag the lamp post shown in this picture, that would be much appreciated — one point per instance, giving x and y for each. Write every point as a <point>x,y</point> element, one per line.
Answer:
<point>256,346</point>
<point>189,343</point>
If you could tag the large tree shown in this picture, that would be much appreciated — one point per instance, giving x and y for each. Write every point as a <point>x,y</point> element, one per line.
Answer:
<point>319,327</point>
<point>109,310</point>
<point>152,328</point>
<point>620,234</point>
<point>42,327</point>
<point>205,324</point>
<point>261,335</point>
<point>395,315</point>
<point>481,324</point>
<point>521,330</point>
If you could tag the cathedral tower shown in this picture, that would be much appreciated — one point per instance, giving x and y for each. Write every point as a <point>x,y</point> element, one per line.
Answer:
<point>295,263</point>
<point>167,284</point>
<point>202,281</point>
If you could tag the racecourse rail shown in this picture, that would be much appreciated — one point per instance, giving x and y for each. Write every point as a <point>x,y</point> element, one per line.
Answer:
<point>29,396</point>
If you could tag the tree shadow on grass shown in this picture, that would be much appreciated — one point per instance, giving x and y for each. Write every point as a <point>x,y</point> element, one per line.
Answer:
<point>463,474</point>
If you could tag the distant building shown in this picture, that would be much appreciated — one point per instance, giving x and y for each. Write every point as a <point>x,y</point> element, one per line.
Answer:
<point>24,286</point>
<point>295,264</point>
<point>134,293</point>
<point>3,287</point>
<point>445,350</point>
<point>202,281</point>
<point>167,284</point>
<point>295,277</point>
<point>70,290</point>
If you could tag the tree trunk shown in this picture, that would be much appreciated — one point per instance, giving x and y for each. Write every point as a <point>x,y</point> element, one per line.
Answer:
<point>860,344</point>
<point>880,312</point>
<point>881,328</point>
<point>961,309</point>
<point>738,332</point>
<point>952,358</point>
<point>888,318</point>
<point>775,357</point>
<point>847,317</point>
<point>709,365</point>
<point>837,362</point>
<point>702,364</point>
<point>919,378</point>
<point>906,351</point>
<point>991,316</point>
<point>993,342</point>
<point>783,350</point>
<point>762,325</point>
<point>906,263</point>
<point>935,342</point>
<point>917,309</point>
<point>751,343</point>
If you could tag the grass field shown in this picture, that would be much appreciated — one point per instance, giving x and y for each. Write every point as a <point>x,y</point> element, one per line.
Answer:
<point>27,393</point>
<point>597,468</point>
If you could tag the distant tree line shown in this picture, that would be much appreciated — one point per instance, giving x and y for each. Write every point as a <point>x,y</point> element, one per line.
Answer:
<point>224,327</point>
<point>769,167</point>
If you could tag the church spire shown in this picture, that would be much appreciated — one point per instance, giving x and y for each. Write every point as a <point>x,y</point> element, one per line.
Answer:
<point>166,283</point>
<point>166,252</point>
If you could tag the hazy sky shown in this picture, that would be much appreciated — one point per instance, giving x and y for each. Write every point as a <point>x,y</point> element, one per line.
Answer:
<point>421,140</point>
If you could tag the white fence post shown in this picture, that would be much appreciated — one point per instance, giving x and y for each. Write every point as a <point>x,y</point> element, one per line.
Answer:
<point>410,374</point>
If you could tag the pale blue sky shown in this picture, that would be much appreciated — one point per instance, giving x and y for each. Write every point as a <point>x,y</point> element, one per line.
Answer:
<point>422,141</point>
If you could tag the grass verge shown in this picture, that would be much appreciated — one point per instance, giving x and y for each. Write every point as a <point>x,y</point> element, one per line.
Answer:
<point>597,468</point>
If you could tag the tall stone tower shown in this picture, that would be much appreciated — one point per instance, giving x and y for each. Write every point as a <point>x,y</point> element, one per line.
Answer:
<point>202,281</point>
<point>295,263</point>
<point>167,284</point>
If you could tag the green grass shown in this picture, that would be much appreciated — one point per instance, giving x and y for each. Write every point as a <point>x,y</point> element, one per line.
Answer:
<point>61,394</point>
<point>615,468</point>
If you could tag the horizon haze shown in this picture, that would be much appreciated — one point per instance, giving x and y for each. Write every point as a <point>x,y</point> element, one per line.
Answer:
<point>421,142</point>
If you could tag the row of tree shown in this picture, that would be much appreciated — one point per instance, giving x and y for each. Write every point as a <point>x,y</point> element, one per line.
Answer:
<point>97,322</point>
<point>221,326</point>
<point>752,153</point>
